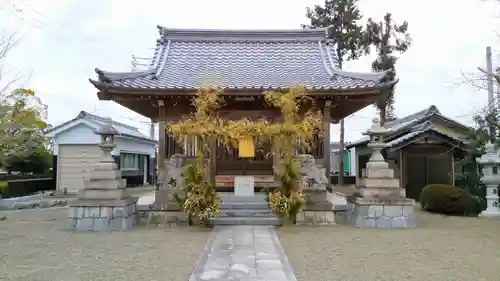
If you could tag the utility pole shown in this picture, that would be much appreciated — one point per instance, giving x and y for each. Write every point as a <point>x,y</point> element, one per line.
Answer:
<point>489,80</point>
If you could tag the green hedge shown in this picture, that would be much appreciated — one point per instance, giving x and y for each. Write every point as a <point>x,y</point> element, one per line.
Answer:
<point>449,200</point>
<point>23,187</point>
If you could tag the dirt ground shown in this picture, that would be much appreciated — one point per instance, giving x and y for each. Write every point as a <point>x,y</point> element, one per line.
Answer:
<point>34,247</point>
<point>441,248</point>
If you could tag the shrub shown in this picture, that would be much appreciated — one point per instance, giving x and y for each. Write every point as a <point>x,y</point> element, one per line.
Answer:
<point>199,200</point>
<point>450,200</point>
<point>3,188</point>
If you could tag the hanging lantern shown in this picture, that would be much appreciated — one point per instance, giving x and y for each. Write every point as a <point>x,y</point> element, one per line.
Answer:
<point>246,148</point>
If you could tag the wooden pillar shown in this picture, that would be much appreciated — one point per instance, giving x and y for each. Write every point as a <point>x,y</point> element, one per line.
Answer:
<point>161,149</point>
<point>213,160</point>
<point>452,168</point>
<point>327,151</point>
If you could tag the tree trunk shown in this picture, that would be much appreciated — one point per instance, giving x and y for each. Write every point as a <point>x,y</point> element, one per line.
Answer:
<point>382,115</point>
<point>341,155</point>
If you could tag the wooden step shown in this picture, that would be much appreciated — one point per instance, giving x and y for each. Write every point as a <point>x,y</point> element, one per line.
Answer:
<point>225,183</point>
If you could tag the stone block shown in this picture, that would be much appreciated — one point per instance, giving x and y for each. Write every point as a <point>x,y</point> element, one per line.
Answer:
<point>375,211</point>
<point>368,222</point>
<point>408,210</point>
<point>379,173</point>
<point>101,224</point>
<point>101,194</point>
<point>86,224</point>
<point>383,222</point>
<point>393,211</point>
<point>115,224</point>
<point>127,223</point>
<point>410,221</point>
<point>71,223</point>
<point>372,217</point>
<point>106,212</point>
<point>379,183</point>
<point>398,222</point>
<point>91,212</point>
<point>106,175</point>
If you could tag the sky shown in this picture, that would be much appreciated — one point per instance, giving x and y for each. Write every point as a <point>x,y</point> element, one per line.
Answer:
<point>63,41</point>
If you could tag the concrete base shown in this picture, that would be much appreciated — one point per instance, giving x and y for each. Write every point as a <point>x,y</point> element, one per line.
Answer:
<point>102,215</point>
<point>164,198</point>
<point>318,209</point>
<point>381,213</point>
<point>490,214</point>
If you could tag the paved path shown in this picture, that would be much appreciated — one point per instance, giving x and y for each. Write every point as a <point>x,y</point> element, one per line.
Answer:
<point>244,253</point>
<point>147,199</point>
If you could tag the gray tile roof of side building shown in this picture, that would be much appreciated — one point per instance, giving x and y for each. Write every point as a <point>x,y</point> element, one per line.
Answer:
<point>121,128</point>
<point>413,124</point>
<point>185,59</point>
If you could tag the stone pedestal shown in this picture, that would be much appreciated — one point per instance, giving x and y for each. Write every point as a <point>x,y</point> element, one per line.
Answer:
<point>384,213</point>
<point>383,203</point>
<point>490,162</point>
<point>103,204</point>
<point>318,209</point>
<point>244,186</point>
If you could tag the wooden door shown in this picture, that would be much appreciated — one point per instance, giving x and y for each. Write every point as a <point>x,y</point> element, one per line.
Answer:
<point>415,175</point>
<point>439,169</point>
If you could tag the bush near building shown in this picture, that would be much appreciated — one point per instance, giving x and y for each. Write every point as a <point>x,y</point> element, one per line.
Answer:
<point>450,200</point>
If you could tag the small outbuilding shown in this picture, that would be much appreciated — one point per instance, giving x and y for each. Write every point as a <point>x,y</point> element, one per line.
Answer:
<point>75,151</point>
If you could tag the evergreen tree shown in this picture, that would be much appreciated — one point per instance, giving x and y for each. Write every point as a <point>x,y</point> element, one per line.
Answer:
<point>348,36</point>
<point>388,38</point>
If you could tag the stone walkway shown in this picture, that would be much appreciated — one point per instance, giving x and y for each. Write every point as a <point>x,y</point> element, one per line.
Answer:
<point>244,253</point>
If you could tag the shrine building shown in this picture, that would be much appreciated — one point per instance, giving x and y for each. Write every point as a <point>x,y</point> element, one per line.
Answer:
<point>245,64</point>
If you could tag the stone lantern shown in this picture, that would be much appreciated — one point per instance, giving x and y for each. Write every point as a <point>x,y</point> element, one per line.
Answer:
<point>103,205</point>
<point>107,134</point>
<point>382,203</point>
<point>490,162</point>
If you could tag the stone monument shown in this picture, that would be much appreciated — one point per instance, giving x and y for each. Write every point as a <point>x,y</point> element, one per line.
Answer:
<point>171,182</point>
<point>382,203</point>
<point>102,204</point>
<point>318,209</point>
<point>244,185</point>
<point>491,178</point>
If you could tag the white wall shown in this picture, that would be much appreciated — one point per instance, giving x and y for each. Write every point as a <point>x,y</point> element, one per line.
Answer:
<point>83,134</point>
<point>79,134</point>
<point>126,145</point>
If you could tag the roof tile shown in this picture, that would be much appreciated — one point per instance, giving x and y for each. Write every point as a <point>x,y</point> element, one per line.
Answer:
<point>188,59</point>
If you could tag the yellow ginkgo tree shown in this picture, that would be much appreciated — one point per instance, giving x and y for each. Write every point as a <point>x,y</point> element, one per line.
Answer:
<point>296,130</point>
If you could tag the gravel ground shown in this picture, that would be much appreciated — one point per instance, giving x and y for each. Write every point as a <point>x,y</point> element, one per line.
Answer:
<point>441,248</point>
<point>33,247</point>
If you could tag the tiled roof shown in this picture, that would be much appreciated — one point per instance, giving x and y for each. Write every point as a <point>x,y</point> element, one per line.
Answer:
<point>406,127</point>
<point>246,59</point>
<point>121,129</point>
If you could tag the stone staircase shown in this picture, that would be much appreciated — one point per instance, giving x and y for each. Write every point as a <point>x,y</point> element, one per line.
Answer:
<point>245,210</point>
<point>225,183</point>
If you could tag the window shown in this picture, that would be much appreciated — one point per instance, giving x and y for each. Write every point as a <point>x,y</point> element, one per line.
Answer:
<point>129,161</point>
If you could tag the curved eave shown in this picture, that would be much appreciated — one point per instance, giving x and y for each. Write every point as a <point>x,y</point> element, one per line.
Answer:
<point>104,86</point>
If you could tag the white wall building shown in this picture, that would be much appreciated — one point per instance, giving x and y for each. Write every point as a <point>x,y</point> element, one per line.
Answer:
<point>75,151</point>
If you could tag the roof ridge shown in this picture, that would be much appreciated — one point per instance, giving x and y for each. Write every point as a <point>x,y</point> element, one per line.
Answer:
<point>305,34</point>
<point>84,114</point>
<point>108,76</point>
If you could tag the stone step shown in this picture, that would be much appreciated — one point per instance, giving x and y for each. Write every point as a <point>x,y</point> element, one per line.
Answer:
<point>230,198</point>
<point>246,213</point>
<point>244,206</point>
<point>270,220</point>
